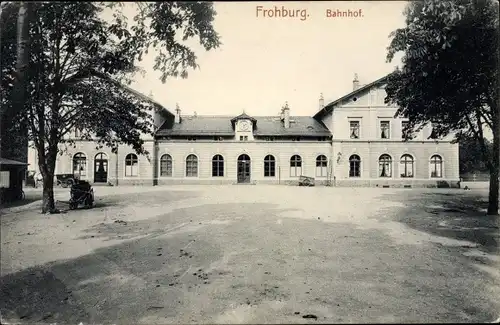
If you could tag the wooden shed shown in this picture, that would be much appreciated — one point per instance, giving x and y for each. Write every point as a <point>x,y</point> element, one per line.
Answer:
<point>12,173</point>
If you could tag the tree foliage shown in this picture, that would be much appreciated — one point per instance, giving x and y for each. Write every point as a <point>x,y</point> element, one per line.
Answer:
<point>80,60</point>
<point>450,72</point>
<point>471,157</point>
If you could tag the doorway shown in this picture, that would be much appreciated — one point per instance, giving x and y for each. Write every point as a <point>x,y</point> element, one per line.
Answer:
<point>244,169</point>
<point>100,168</point>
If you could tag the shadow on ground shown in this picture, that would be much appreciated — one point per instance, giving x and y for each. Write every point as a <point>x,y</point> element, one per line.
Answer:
<point>456,215</point>
<point>30,197</point>
<point>194,264</point>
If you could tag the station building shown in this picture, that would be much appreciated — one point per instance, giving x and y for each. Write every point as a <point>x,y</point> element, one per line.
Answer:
<point>352,141</point>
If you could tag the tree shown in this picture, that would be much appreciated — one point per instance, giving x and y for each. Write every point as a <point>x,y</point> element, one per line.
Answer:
<point>471,158</point>
<point>450,74</point>
<point>11,145</point>
<point>81,62</point>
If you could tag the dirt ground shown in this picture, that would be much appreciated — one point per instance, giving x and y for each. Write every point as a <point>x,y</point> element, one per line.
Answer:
<point>252,254</point>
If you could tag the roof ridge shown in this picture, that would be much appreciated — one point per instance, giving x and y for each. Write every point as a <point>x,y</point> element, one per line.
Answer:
<point>230,116</point>
<point>360,89</point>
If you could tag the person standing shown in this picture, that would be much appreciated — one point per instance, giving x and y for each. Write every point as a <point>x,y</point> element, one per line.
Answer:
<point>38,179</point>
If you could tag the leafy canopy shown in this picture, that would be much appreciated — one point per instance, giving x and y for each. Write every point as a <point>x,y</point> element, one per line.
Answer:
<point>79,62</point>
<point>449,74</point>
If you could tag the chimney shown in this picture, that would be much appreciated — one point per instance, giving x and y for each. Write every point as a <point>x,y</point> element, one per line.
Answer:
<point>286,115</point>
<point>321,101</point>
<point>355,82</point>
<point>177,114</point>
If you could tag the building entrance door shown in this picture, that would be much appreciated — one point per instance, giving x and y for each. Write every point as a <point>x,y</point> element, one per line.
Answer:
<point>100,168</point>
<point>244,169</point>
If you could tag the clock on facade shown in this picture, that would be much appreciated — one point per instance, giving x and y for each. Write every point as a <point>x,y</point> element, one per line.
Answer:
<point>244,125</point>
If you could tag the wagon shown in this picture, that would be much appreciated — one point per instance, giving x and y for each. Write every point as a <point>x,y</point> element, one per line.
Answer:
<point>65,180</point>
<point>306,181</point>
<point>81,194</point>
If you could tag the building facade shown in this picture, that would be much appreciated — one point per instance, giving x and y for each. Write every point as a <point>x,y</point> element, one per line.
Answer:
<point>353,141</point>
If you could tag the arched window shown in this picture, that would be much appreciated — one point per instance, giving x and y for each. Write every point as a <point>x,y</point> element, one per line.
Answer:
<point>166,165</point>
<point>295,166</point>
<point>101,156</point>
<point>131,165</point>
<point>436,166</point>
<point>192,166</point>
<point>269,166</point>
<point>321,166</point>
<point>385,166</point>
<point>406,166</point>
<point>79,164</point>
<point>354,166</point>
<point>217,166</point>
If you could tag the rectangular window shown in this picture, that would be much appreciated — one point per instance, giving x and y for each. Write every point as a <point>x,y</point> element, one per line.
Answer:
<point>405,134</point>
<point>243,138</point>
<point>4,179</point>
<point>354,129</point>
<point>385,130</point>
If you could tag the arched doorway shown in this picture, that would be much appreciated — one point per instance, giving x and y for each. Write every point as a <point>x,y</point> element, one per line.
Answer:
<point>244,169</point>
<point>100,168</point>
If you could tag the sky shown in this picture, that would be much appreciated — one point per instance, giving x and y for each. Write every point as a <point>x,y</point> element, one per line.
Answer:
<point>264,62</point>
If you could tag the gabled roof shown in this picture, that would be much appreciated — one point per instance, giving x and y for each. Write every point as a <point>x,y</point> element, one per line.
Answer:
<point>243,116</point>
<point>329,107</point>
<point>299,126</point>
<point>10,162</point>
<point>264,126</point>
<point>130,90</point>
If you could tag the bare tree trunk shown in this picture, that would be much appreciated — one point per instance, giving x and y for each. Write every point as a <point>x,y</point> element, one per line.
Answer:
<point>47,168</point>
<point>494,175</point>
<point>13,142</point>
<point>48,205</point>
<point>23,56</point>
<point>495,172</point>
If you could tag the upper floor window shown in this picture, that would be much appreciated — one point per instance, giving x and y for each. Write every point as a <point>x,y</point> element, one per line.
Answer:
<point>385,129</point>
<point>405,133</point>
<point>191,139</point>
<point>243,137</point>
<point>354,129</point>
